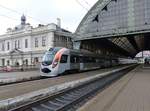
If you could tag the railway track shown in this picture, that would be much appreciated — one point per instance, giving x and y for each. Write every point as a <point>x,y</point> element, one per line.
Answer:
<point>68,99</point>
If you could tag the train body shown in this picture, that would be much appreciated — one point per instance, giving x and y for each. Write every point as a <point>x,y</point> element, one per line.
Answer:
<point>127,61</point>
<point>58,60</point>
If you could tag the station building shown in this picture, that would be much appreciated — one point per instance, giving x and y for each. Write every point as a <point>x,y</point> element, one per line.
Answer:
<point>26,45</point>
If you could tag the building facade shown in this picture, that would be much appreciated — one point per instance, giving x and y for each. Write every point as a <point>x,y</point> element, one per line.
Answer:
<point>26,45</point>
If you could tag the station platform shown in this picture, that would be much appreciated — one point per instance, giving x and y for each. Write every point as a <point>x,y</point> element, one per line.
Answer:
<point>10,77</point>
<point>130,93</point>
<point>7,91</point>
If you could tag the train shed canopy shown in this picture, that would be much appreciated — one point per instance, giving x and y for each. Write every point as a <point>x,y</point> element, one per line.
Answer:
<point>122,23</point>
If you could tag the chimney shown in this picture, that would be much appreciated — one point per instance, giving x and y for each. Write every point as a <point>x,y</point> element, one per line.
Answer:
<point>58,22</point>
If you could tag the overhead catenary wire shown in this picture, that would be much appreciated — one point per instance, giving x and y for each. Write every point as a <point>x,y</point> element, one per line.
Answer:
<point>81,5</point>
<point>8,17</point>
<point>87,3</point>
<point>14,11</point>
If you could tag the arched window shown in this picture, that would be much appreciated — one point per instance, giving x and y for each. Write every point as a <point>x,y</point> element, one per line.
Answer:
<point>8,63</point>
<point>36,60</point>
<point>26,61</point>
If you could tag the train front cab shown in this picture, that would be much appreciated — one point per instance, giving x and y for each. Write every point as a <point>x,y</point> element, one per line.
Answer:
<point>55,62</point>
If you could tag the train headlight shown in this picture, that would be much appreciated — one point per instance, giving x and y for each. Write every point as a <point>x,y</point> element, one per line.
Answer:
<point>54,64</point>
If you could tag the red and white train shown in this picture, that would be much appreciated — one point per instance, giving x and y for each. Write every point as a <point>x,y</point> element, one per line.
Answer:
<point>58,60</point>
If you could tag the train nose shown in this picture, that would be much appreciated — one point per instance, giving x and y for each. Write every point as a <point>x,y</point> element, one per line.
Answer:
<point>46,70</point>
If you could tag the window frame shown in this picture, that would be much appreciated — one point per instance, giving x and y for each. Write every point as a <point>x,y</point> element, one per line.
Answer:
<point>74,59</point>
<point>26,43</point>
<point>15,44</point>
<point>3,46</point>
<point>65,60</point>
<point>36,42</point>
<point>43,41</point>
<point>8,45</point>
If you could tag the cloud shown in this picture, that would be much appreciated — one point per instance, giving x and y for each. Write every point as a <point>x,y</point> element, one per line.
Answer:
<point>43,11</point>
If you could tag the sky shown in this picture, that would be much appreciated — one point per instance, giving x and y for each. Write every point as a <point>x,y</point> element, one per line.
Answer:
<point>145,54</point>
<point>37,12</point>
<point>44,12</point>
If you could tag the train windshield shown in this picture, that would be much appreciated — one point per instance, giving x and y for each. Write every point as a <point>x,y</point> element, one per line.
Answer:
<point>49,56</point>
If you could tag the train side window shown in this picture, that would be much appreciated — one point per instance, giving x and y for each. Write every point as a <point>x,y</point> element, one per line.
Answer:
<point>90,60</point>
<point>85,59</point>
<point>74,59</point>
<point>94,59</point>
<point>64,59</point>
<point>77,59</point>
<point>81,59</point>
<point>97,60</point>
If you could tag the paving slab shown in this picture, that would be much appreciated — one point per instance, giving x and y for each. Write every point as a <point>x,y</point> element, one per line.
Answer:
<point>130,93</point>
<point>11,77</point>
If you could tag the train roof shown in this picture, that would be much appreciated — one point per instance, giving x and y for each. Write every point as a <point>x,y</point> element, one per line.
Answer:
<point>80,52</point>
<point>54,48</point>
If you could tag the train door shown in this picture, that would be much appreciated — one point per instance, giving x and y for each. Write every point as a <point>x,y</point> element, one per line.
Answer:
<point>81,62</point>
<point>74,62</point>
<point>64,64</point>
